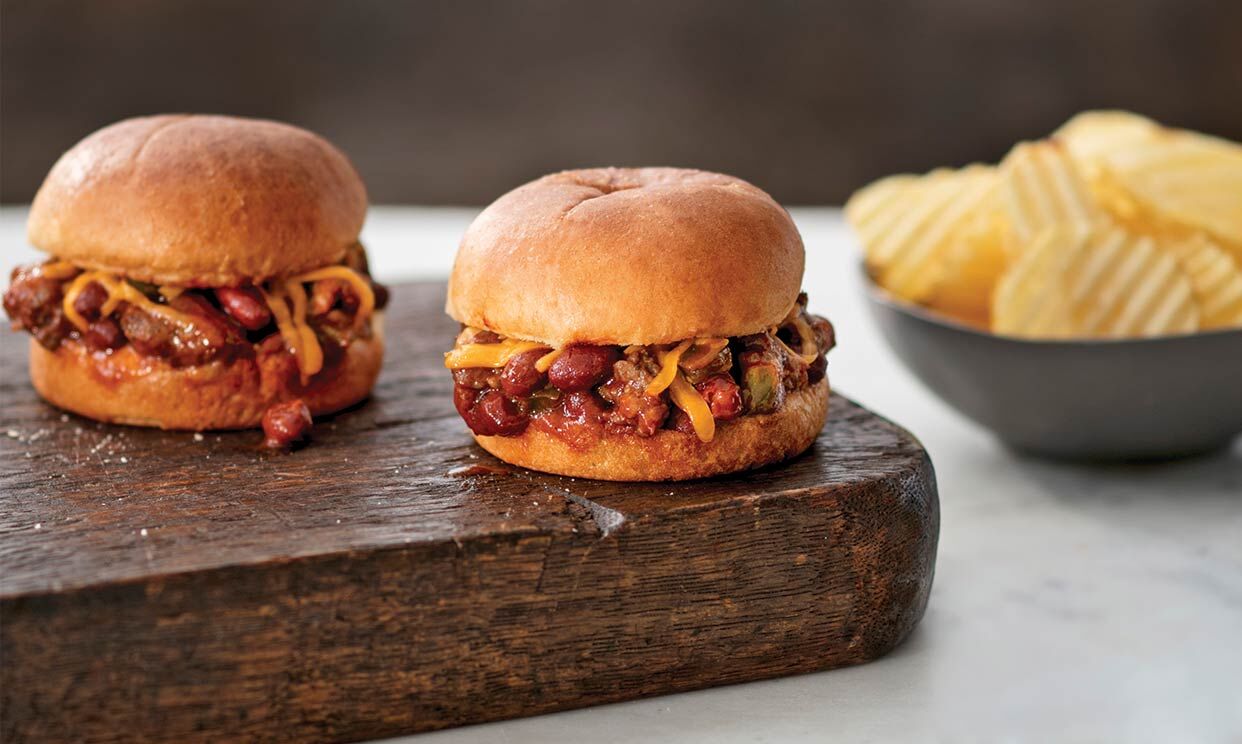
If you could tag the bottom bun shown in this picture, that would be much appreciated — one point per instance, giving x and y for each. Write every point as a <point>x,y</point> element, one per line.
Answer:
<point>125,387</point>
<point>742,444</point>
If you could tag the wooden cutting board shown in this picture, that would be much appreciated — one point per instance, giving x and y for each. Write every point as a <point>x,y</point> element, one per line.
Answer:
<point>190,587</point>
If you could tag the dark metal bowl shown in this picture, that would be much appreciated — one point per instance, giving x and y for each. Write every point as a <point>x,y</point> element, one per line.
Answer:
<point>1132,399</point>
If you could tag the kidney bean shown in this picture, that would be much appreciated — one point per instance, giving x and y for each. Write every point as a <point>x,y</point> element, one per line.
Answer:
<point>102,334</point>
<point>246,306</point>
<point>491,413</point>
<point>90,300</point>
<point>579,420</point>
<point>581,367</point>
<point>723,396</point>
<point>485,337</point>
<point>381,295</point>
<point>463,399</point>
<point>520,378</point>
<point>286,423</point>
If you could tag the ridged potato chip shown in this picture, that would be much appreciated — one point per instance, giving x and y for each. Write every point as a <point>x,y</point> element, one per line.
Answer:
<point>1043,187</point>
<point>1092,136</point>
<point>1171,174</point>
<point>1097,281</point>
<point>907,225</point>
<point>1216,279</point>
<point>1189,178</point>
<point>1115,226</point>
<point>974,258</point>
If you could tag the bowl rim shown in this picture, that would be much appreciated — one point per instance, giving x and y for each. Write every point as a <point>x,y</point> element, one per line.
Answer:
<point>882,296</point>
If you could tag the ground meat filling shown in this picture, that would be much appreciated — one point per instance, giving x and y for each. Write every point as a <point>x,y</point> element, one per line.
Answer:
<point>227,322</point>
<point>590,391</point>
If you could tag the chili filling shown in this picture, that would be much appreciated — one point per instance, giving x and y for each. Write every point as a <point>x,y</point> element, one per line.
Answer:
<point>583,392</point>
<point>315,316</point>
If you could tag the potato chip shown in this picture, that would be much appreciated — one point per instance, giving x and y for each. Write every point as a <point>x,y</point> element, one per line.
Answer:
<point>1172,174</point>
<point>974,258</point>
<point>1187,177</point>
<point>906,225</point>
<point>1092,136</point>
<point>1216,279</point>
<point>1097,281</point>
<point>1043,187</point>
<point>878,197</point>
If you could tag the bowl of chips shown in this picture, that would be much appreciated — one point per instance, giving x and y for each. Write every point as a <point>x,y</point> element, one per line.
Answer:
<point>1082,299</point>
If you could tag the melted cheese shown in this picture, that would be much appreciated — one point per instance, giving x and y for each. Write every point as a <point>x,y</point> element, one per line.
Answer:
<point>494,355</point>
<point>291,321</point>
<point>703,352</point>
<point>118,291</point>
<point>808,340</point>
<point>668,368</point>
<point>545,362</point>
<point>310,353</point>
<point>292,326</point>
<point>807,336</point>
<point>684,395</point>
<point>361,287</point>
<point>689,400</point>
<point>57,270</point>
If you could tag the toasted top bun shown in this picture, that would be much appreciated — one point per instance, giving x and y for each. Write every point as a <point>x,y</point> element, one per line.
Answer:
<point>200,201</point>
<point>628,256</point>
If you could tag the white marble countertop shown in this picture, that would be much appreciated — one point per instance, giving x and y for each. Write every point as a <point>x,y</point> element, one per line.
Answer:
<point>1071,603</point>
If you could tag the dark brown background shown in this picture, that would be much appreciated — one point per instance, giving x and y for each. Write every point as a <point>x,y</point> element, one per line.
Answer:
<point>453,102</point>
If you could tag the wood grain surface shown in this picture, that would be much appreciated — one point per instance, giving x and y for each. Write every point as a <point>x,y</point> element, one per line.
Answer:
<point>392,577</point>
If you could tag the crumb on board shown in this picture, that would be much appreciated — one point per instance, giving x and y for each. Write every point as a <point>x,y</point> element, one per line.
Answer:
<point>143,532</point>
<point>198,436</point>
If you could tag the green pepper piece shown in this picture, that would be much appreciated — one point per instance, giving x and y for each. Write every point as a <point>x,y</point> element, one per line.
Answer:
<point>763,390</point>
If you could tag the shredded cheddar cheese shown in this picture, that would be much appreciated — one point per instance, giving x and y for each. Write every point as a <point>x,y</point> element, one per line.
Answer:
<point>668,368</point>
<point>703,352</point>
<point>808,340</point>
<point>118,291</point>
<point>279,294</point>
<point>291,322</point>
<point>361,287</point>
<point>684,395</point>
<point>58,270</point>
<point>494,355</point>
<point>689,400</point>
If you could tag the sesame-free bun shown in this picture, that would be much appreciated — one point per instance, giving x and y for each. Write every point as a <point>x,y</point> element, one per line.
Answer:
<point>627,256</point>
<point>196,200</point>
<point>126,387</point>
<point>742,444</point>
